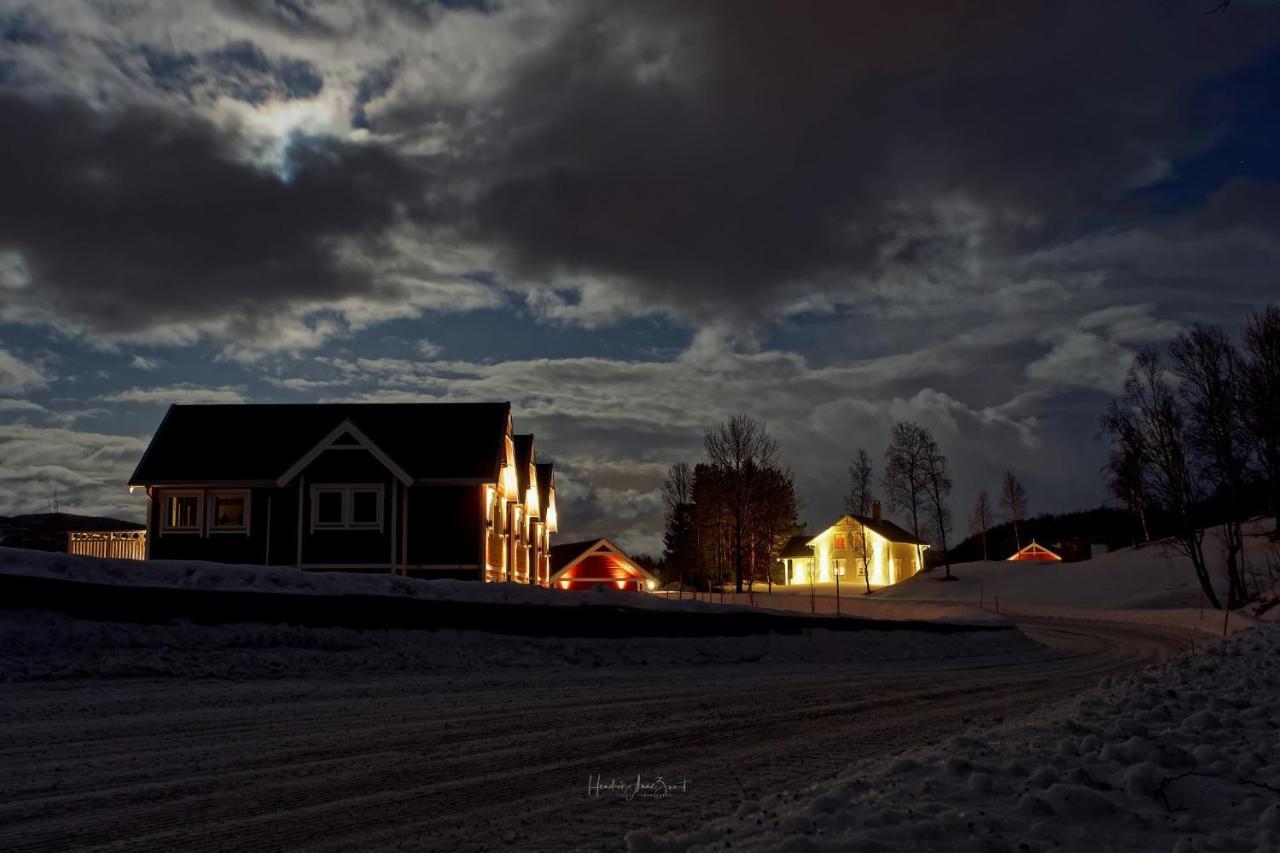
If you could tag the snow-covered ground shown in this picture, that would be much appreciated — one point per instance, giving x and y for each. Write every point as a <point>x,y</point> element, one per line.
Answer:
<point>1181,756</point>
<point>195,574</point>
<point>427,741</point>
<point>1146,585</point>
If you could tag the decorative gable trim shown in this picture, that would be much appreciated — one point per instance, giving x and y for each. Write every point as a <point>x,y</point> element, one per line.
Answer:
<point>337,438</point>
<point>603,546</point>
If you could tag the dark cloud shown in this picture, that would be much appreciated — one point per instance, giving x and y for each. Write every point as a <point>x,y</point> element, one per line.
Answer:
<point>711,155</point>
<point>300,17</point>
<point>239,70</point>
<point>140,217</point>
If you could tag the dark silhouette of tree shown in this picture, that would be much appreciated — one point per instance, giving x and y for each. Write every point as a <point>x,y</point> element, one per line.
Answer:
<point>937,493</point>
<point>981,521</point>
<point>1210,385</point>
<point>859,503</point>
<point>1013,500</point>
<point>1126,471</point>
<point>680,541</point>
<point>905,462</point>
<point>1150,407</point>
<point>745,458</point>
<point>1262,397</point>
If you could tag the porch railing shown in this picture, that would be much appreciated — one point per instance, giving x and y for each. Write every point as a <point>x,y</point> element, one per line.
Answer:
<point>116,544</point>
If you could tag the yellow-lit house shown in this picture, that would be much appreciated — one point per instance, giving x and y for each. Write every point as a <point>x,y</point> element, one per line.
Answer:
<point>893,554</point>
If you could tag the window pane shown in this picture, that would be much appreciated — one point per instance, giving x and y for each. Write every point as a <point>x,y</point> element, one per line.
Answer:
<point>228,512</point>
<point>329,508</point>
<point>841,544</point>
<point>182,511</point>
<point>364,508</point>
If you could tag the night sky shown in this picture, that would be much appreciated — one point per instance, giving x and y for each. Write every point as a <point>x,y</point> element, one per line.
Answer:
<point>629,219</point>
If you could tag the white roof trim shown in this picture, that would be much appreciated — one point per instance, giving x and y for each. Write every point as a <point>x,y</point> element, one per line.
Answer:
<point>346,427</point>
<point>601,546</point>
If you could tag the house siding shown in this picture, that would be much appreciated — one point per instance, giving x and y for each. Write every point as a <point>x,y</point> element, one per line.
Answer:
<point>229,546</point>
<point>348,549</point>
<point>445,531</point>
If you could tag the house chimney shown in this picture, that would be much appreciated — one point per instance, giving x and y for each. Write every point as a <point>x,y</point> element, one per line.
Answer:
<point>875,511</point>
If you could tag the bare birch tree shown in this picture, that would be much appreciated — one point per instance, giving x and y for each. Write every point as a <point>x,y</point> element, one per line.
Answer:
<point>1126,471</point>
<point>859,502</point>
<point>981,521</point>
<point>905,471</point>
<point>1262,397</point>
<point>937,498</point>
<point>1209,371</point>
<point>1151,407</point>
<point>1013,500</point>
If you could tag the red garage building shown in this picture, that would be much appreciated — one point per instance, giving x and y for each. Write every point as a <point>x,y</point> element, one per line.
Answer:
<point>1035,553</point>
<point>596,563</point>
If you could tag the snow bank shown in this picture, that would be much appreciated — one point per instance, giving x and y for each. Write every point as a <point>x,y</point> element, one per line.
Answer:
<point>43,645</point>
<point>195,574</point>
<point>1181,756</point>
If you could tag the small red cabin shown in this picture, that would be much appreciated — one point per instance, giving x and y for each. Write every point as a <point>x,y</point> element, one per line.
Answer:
<point>596,563</point>
<point>1035,553</point>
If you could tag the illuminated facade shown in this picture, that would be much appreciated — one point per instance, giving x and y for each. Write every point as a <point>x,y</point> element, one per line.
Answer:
<point>890,554</point>
<point>597,563</point>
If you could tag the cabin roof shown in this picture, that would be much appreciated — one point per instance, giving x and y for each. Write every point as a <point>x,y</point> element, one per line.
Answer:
<point>260,442</point>
<point>524,450</point>
<point>797,546</point>
<point>889,530</point>
<point>564,553</point>
<point>546,474</point>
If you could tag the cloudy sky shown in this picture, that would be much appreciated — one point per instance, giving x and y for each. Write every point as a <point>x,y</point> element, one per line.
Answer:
<point>629,219</point>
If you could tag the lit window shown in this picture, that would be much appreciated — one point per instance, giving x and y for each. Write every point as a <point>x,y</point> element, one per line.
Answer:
<point>182,512</point>
<point>862,569</point>
<point>841,542</point>
<point>229,511</point>
<point>837,566</point>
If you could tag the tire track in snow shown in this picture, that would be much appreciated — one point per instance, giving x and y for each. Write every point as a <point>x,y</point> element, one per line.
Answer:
<point>473,761</point>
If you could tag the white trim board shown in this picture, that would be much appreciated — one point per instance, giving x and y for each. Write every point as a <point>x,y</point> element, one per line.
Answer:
<point>329,442</point>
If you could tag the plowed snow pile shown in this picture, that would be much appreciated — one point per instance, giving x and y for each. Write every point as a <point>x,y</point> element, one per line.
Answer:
<point>1181,756</point>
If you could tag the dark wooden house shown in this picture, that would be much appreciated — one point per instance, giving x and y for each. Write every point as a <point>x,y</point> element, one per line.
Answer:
<point>424,489</point>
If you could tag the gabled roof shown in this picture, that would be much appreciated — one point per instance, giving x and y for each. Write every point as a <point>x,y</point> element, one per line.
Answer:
<point>261,442</point>
<point>797,546</point>
<point>886,529</point>
<point>569,554</point>
<point>546,479</point>
<point>1036,553</point>
<point>890,531</point>
<point>524,451</point>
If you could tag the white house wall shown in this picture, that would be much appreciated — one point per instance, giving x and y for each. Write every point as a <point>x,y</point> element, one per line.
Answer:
<point>890,562</point>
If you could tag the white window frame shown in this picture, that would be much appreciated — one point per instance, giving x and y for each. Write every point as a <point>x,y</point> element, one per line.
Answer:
<point>838,567</point>
<point>166,528</point>
<point>835,542</point>
<point>348,491</point>
<point>211,507</point>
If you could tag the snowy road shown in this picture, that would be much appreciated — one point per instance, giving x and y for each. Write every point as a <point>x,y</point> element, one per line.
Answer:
<point>488,759</point>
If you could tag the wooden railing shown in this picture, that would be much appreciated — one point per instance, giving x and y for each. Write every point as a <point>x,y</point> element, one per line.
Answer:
<point>116,544</point>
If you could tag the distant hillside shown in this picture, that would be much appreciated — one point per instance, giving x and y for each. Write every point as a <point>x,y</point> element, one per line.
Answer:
<point>47,531</point>
<point>1107,526</point>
